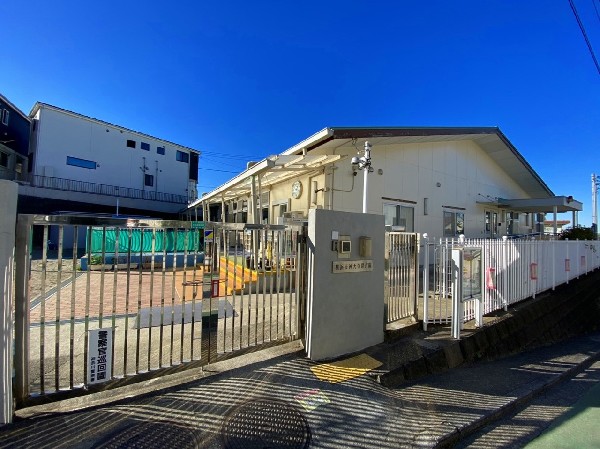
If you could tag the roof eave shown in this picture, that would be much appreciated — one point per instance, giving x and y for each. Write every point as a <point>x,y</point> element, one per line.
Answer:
<point>518,155</point>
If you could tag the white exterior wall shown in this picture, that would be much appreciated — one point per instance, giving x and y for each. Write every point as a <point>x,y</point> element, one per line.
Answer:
<point>281,193</point>
<point>466,174</point>
<point>60,135</point>
<point>411,172</point>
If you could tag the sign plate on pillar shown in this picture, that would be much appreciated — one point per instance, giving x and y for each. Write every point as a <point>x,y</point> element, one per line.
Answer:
<point>351,266</point>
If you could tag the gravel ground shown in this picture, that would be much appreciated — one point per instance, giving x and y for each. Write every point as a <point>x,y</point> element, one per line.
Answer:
<point>36,278</point>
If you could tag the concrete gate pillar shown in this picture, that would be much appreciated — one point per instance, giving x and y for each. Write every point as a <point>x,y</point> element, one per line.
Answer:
<point>345,291</point>
<point>8,196</point>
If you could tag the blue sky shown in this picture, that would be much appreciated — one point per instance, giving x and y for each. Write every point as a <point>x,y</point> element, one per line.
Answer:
<point>241,80</point>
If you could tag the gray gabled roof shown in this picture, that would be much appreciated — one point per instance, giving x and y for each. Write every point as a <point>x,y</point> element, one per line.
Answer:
<point>490,139</point>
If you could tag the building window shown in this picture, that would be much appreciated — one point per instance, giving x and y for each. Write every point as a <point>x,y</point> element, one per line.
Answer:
<point>182,157</point>
<point>83,163</point>
<point>130,143</point>
<point>5,113</point>
<point>145,146</point>
<point>402,218</point>
<point>512,223</point>
<point>454,224</point>
<point>3,159</point>
<point>160,150</point>
<point>149,180</point>
<point>491,224</point>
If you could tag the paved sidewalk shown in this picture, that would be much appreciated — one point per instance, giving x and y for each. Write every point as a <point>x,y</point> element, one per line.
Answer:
<point>280,403</point>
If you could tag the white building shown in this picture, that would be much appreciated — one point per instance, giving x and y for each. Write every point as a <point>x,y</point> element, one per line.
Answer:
<point>442,181</point>
<point>84,164</point>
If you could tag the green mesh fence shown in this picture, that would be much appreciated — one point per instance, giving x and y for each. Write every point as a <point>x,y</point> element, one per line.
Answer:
<point>140,240</point>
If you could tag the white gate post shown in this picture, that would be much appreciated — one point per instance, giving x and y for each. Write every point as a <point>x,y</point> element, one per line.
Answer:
<point>457,292</point>
<point>425,281</point>
<point>9,192</point>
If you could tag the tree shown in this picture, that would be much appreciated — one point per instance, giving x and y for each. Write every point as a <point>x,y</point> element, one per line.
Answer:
<point>578,233</point>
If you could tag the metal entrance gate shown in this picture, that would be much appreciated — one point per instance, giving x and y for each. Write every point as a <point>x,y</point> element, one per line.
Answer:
<point>104,301</point>
<point>401,275</point>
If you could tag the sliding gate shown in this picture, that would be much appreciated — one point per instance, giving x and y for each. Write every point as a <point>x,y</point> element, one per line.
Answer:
<point>101,302</point>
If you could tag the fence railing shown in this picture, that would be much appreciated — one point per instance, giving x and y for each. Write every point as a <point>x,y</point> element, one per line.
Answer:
<point>401,275</point>
<point>511,271</point>
<point>141,308</point>
<point>72,185</point>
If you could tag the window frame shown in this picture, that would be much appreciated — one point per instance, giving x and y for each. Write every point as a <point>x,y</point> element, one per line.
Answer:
<point>5,155</point>
<point>512,217</point>
<point>81,163</point>
<point>182,156</point>
<point>399,208</point>
<point>491,224</point>
<point>145,146</point>
<point>5,116</point>
<point>131,143</point>
<point>147,178</point>
<point>455,218</point>
<point>158,150</point>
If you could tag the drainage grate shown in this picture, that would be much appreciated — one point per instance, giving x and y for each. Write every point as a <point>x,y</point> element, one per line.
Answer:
<point>150,435</point>
<point>265,424</point>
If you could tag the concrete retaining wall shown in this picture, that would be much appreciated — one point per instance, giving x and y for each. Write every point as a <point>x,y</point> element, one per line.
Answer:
<point>570,310</point>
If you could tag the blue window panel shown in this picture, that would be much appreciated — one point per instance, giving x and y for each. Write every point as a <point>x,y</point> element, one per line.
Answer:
<point>160,150</point>
<point>83,163</point>
<point>149,180</point>
<point>145,146</point>
<point>183,157</point>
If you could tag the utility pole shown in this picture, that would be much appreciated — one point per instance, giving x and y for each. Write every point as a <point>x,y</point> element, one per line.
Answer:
<point>364,163</point>
<point>595,184</point>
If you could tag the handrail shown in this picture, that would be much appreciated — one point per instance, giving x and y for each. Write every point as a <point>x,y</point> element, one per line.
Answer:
<point>72,185</point>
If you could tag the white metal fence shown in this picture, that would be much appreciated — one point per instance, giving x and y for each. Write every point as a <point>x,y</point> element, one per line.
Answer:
<point>401,275</point>
<point>511,271</point>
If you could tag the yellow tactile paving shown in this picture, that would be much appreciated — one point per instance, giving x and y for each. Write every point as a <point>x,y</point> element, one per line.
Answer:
<point>346,369</point>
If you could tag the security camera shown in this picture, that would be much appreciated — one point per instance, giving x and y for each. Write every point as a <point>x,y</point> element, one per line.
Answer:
<point>355,160</point>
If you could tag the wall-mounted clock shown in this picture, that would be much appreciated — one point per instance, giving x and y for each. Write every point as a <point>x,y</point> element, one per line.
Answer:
<point>296,189</point>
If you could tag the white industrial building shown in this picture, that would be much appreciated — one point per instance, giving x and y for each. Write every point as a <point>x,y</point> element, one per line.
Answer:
<point>440,181</point>
<point>85,164</point>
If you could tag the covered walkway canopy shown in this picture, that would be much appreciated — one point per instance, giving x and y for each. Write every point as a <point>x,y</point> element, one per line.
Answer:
<point>552,204</point>
<point>556,204</point>
<point>269,171</point>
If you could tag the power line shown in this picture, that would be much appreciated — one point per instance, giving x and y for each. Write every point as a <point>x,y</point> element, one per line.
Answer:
<point>587,41</point>
<point>227,155</point>
<point>596,8</point>
<point>216,169</point>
